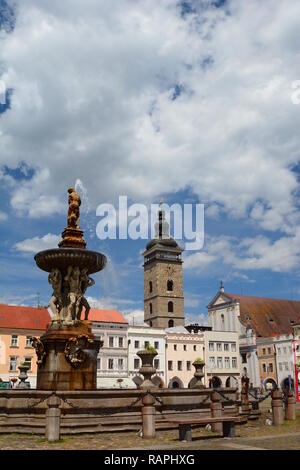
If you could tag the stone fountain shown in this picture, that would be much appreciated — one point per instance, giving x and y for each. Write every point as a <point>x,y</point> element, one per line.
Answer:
<point>67,352</point>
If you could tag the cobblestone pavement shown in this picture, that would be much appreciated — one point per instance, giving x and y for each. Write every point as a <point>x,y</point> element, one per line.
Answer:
<point>255,435</point>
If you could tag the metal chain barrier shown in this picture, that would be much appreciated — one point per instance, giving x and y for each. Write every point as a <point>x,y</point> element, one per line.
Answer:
<point>155,397</point>
<point>224,396</point>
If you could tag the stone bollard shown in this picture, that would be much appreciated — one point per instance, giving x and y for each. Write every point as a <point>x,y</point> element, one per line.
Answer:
<point>148,416</point>
<point>277,407</point>
<point>53,418</point>
<point>290,406</point>
<point>245,408</point>
<point>216,411</point>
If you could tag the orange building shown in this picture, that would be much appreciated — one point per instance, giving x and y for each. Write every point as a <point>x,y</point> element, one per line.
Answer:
<point>17,325</point>
<point>267,362</point>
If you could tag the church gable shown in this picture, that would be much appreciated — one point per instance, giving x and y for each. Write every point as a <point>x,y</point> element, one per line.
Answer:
<point>219,299</point>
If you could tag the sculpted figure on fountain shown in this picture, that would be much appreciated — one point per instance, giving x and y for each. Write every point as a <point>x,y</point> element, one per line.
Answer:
<point>56,303</point>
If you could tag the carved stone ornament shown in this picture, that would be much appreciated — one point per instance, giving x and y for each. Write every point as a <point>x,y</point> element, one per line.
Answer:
<point>39,348</point>
<point>74,350</point>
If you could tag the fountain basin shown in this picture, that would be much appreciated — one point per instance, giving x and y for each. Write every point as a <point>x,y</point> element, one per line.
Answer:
<point>61,258</point>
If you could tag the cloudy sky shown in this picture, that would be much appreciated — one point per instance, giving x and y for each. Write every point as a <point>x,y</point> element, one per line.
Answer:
<point>189,100</point>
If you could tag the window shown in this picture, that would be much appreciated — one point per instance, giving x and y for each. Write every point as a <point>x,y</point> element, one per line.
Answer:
<point>184,347</point>
<point>98,363</point>
<point>170,365</point>
<point>234,362</point>
<point>156,363</point>
<point>219,346</point>
<point>175,347</point>
<point>244,358</point>
<point>111,341</point>
<point>136,344</point>
<point>120,363</point>
<point>227,362</point>
<point>171,323</point>
<point>170,307</point>
<point>226,346</point>
<point>110,364</point>
<point>233,347</point>
<point>269,350</point>
<point>188,365</point>
<point>13,362</point>
<point>179,365</point>
<point>222,322</point>
<point>14,341</point>
<point>264,367</point>
<point>278,351</point>
<point>264,351</point>
<point>147,344</point>
<point>136,363</point>
<point>28,359</point>
<point>28,342</point>
<point>195,347</point>
<point>150,323</point>
<point>270,368</point>
<point>150,286</point>
<point>170,285</point>
<point>150,306</point>
<point>121,342</point>
<point>212,363</point>
<point>211,346</point>
<point>156,344</point>
<point>220,363</point>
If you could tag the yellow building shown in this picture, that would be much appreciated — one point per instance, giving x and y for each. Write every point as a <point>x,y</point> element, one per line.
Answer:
<point>17,325</point>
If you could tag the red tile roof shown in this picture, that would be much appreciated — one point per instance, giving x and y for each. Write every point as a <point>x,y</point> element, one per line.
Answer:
<point>107,316</point>
<point>33,318</point>
<point>268,316</point>
<point>26,318</point>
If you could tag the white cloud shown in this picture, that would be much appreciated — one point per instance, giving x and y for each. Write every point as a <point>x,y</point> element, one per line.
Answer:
<point>92,99</point>
<point>134,317</point>
<point>281,255</point>
<point>3,216</point>
<point>35,244</point>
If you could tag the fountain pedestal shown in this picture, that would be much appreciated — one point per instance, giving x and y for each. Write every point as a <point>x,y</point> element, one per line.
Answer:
<point>67,358</point>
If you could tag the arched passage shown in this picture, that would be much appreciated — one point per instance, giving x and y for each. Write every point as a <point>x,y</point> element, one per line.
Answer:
<point>270,384</point>
<point>231,382</point>
<point>215,382</point>
<point>175,382</point>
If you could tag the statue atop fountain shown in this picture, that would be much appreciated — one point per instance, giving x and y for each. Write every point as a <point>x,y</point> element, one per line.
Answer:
<point>67,352</point>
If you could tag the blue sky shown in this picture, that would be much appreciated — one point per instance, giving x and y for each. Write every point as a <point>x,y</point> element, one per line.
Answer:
<point>188,100</point>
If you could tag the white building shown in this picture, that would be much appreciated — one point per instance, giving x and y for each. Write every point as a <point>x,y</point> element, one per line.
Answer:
<point>224,315</point>
<point>112,363</point>
<point>222,359</point>
<point>138,337</point>
<point>285,364</point>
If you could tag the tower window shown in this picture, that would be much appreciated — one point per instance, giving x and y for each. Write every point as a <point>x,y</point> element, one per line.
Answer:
<point>171,323</point>
<point>150,305</point>
<point>150,286</point>
<point>170,307</point>
<point>170,285</point>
